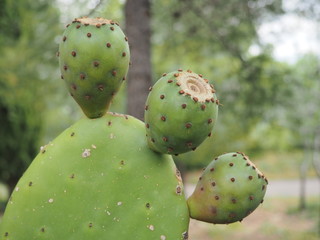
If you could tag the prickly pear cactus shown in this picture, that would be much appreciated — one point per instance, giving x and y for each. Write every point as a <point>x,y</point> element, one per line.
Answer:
<point>180,112</point>
<point>98,180</point>
<point>230,188</point>
<point>102,178</point>
<point>94,59</point>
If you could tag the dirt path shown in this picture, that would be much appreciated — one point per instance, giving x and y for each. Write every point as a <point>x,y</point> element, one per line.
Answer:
<point>291,188</point>
<point>282,188</point>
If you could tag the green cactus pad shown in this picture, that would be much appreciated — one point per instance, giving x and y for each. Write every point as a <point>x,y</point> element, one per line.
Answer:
<point>98,180</point>
<point>180,112</point>
<point>94,59</point>
<point>230,188</point>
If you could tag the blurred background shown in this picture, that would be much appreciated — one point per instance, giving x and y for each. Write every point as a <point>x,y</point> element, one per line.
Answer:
<point>263,57</point>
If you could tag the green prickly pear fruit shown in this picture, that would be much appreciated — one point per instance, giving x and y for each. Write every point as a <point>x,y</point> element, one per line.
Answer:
<point>230,188</point>
<point>180,112</point>
<point>94,59</point>
<point>98,180</point>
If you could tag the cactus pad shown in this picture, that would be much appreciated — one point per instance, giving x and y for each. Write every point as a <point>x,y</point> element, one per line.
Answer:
<point>230,188</point>
<point>180,112</point>
<point>94,59</point>
<point>98,180</point>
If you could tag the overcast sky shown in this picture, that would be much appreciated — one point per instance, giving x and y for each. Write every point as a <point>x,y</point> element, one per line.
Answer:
<point>291,35</point>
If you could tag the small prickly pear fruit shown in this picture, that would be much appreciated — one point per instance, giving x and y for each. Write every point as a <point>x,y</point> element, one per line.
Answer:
<point>98,180</point>
<point>94,59</point>
<point>180,112</point>
<point>230,188</point>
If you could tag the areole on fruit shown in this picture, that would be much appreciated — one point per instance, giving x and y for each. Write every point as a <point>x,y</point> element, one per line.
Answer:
<point>93,21</point>
<point>194,86</point>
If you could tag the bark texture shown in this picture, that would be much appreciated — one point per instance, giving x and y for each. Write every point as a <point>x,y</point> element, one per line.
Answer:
<point>137,13</point>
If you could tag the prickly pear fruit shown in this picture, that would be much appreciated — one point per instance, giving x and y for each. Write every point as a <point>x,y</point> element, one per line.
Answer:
<point>230,188</point>
<point>98,180</point>
<point>180,112</point>
<point>94,59</point>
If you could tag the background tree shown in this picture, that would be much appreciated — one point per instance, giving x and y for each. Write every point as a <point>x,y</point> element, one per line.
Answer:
<point>137,15</point>
<point>303,113</point>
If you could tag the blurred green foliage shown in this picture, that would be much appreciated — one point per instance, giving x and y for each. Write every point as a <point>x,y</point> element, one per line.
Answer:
<point>286,118</point>
<point>264,106</point>
<point>27,32</point>
<point>303,112</point>
<point>4,196</point>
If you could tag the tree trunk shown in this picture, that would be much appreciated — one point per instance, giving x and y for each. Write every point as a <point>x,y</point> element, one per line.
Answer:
<point>316,152</point>
<point>137,14</point>
<point>303,174</point>
<point>316,163</point>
